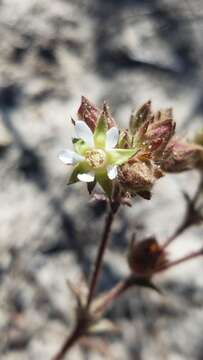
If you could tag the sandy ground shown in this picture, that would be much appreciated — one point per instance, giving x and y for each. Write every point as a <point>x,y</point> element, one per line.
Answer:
<point>125,52</point>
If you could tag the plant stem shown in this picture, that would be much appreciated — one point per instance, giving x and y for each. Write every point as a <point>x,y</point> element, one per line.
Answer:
<point>190,256</point>
<point>185,224</point>
<point>100,255</point>
<point>191,217</point>
<point>114,293</point>
<point>69,342</point>
<point>111,296</point>
<point>132,280</point>
<point>77,333</point>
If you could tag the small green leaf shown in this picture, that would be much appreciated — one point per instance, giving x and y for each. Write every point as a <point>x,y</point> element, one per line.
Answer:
<point>80,168</point>
<point>100,132</point>
<point>120,156</point>
<point>80,146</point>
<point>104,182</point>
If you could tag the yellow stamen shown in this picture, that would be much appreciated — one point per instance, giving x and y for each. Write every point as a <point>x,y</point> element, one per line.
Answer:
<point>96,158</point>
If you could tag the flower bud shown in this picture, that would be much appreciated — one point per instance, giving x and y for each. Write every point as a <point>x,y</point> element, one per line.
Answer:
<point>139,117</point>
<point>181,156</point>
<point>88,113</point>
<point>110,120</point>
<point>150,131</point>
<point>137,176</point>
<point>159,132</point>
<point>145,257</point>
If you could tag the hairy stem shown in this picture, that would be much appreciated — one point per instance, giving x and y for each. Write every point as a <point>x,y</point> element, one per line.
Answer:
<point>100,254</point>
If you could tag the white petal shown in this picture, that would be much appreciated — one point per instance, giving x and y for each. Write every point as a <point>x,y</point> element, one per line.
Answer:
<point>84,132</point>
<point>69,157</point>
<point>112,171</point>
<point>86,177</point>
<point>112,136</point>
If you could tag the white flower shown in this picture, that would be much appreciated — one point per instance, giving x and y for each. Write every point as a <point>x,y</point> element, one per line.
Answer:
<point>95,156</point>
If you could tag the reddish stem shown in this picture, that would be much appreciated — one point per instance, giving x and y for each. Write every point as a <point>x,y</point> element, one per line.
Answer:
<point>78,332</point>
<point>112,295</point>
<point>191,216</point>
<point>100,254</point>
<point>69,342</point>
<point>185,258</point>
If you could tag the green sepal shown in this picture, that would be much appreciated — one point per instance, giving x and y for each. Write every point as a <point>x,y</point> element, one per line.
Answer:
<point>120,156</point>
<point>80,168</point>
<point>100,132</point>
<point>80,146</point>
<point>104,182</point>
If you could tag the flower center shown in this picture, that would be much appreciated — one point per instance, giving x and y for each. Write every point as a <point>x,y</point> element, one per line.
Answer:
<point>96,158</point>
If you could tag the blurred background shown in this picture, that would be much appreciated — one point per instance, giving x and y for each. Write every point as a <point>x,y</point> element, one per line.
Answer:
<point>125,52</point>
